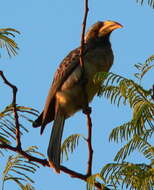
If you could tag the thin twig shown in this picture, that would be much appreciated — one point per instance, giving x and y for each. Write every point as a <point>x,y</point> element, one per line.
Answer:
<point>14,89</point>
<point>83,33</point>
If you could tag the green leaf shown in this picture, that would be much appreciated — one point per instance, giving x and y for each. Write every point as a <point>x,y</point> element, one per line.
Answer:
<point>135,143</point>
<point>7,42</point>
<point>4,140</point>
<point>7,123</point>
<point>28,187</point>
<point>143,68</point>
<point>70,144</point>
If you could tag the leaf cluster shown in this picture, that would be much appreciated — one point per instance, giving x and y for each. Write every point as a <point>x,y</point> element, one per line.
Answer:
<point>17,169</point>
<point>129,175</point>
<point>136,132</point>
<point>7,122</point>
<point>7,42</point>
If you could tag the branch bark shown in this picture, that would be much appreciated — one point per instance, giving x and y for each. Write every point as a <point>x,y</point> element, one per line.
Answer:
<point>90,149</point>
<point>14,90</point>
<point>87,109</point>
<point>44,163</point>
<point>83,33</point>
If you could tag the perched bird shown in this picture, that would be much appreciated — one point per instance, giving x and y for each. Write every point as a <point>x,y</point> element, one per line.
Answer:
<point>66,95</point>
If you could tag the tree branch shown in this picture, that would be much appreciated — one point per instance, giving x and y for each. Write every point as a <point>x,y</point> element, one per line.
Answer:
<point>14,89</point>
<point>83,33</point>
<point>86,110</point>
<point>44,163</point>
<point>82,45</point>
<point>89,141</point>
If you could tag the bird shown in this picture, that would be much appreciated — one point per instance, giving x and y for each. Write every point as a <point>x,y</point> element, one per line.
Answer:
<point>66,95</point>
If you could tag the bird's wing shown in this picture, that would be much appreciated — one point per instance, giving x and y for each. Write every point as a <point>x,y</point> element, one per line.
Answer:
<point>67,66</point>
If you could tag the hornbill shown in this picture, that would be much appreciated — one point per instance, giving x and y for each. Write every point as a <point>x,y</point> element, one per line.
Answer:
<point>67,93</point>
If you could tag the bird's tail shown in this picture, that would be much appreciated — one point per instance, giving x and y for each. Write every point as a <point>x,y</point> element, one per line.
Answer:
<point>38,121</point>
<point>54,148</point>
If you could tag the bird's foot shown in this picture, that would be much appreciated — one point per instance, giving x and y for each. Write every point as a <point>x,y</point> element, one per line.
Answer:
<point>87,110</point>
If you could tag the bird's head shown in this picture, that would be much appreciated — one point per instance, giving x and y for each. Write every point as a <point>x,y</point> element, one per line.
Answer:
<point>101,29</point>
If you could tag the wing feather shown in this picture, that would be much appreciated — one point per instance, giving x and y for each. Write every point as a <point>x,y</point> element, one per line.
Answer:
<point>67,66</point>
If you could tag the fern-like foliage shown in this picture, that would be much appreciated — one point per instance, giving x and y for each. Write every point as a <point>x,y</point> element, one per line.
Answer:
<point>18,169</point>
<point>122,90</point>
<point>125,90</point>
<point>7,122</point>
<point>143,68</point>
<point>149,2</point>
<point>129,175</point>
<point>136,132</point>
<point>128,130</point>
<point>70,144</point>
<point>7,42</point>
<point>135,143</point>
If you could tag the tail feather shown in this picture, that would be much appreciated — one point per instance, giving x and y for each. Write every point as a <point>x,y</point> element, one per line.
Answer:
<point>38,121</point>
<point>42,120</point>
<point>54,148</point>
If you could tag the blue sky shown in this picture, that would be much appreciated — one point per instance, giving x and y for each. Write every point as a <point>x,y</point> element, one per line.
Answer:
<point>49,30</point>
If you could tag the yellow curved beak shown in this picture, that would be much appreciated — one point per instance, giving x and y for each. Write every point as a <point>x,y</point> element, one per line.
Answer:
<point>109,26</point>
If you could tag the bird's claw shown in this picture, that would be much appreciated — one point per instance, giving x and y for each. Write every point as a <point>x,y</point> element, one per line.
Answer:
<point>87,110</point>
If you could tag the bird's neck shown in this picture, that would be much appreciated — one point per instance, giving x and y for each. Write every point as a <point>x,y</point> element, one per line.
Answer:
<point>103,41</point>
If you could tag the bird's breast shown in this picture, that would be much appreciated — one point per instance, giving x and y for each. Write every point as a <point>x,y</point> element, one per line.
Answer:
<point>71,94</point>
<point>71,100</point>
